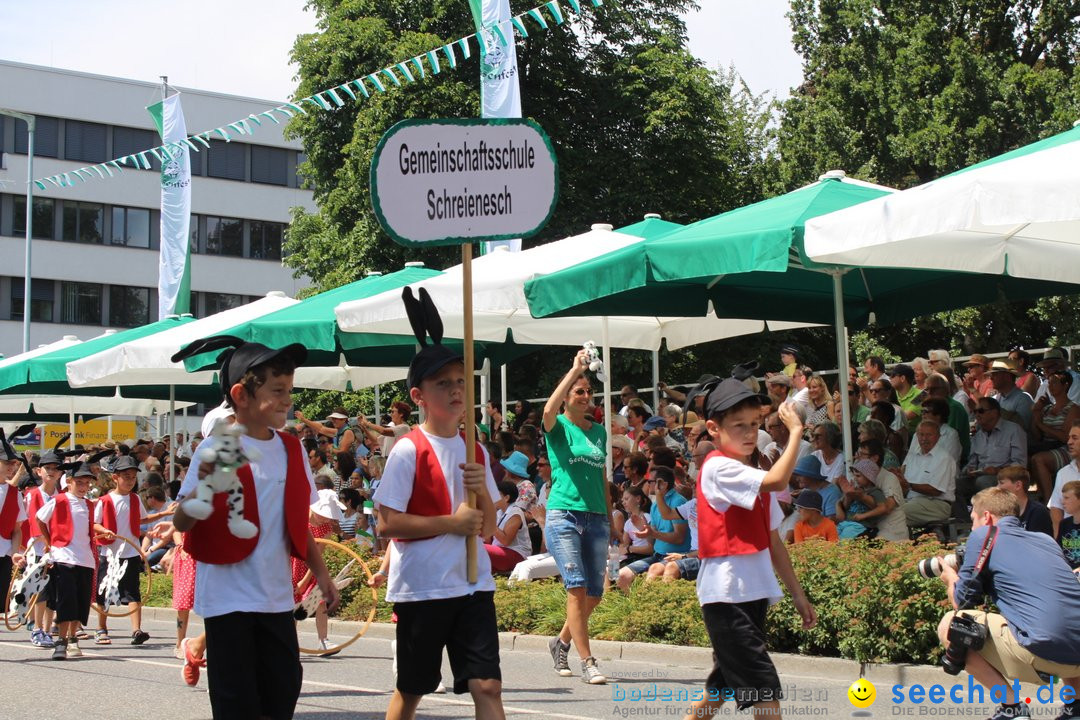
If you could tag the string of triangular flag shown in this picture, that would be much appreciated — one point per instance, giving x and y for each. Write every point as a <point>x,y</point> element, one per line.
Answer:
<point>407,71</point>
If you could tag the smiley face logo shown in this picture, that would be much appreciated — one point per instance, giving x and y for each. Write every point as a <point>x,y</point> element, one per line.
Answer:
<point>862,693</point>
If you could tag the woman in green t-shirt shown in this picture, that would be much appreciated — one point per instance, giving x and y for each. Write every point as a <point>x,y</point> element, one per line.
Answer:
<point>578,523</point>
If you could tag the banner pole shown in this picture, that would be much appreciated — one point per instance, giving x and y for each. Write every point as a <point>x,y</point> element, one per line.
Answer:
<point>470,394</point>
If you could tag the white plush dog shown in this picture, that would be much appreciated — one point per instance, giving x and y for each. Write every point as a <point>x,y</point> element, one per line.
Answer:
<point>224,451</point>
<point>596,363</point>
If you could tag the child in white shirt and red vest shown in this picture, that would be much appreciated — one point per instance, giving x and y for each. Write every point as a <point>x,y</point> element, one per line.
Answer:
<point>49,473</point>
<point>243,587</point>
<point>422,507</point>
<point>121,512</point>
<point>740,549</point>
<point>12,513</point>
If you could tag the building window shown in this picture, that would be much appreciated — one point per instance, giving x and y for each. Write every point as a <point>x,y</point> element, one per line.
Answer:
<point>84,141</point>
<point>132,141</point>
<point>41,300</point>
<point>82,222</point>
<point>193,232</point>
<point>44,217</point>
<point>131,227</point>
<point>128,306</point>
<point>224,236</point>
<point>197,161</point>
<point>269,165</point>
<point>218,302</point>
<point>80,303</point>
<point>227,160</point>
<point>46,137</point>
<point>266,240</point>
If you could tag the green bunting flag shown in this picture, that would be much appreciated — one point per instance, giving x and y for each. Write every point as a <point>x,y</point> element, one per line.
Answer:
<point>411,69</point>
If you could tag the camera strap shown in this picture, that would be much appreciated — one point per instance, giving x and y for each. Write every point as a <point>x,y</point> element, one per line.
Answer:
<point>988,545</point>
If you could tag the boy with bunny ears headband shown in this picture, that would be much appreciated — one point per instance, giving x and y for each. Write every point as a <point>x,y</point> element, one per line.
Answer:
<point>422,506</point>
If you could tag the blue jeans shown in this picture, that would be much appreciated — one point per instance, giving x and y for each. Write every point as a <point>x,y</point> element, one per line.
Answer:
<point>578,541</point>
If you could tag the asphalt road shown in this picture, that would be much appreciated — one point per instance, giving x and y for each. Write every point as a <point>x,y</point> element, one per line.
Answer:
<point>121,681</point>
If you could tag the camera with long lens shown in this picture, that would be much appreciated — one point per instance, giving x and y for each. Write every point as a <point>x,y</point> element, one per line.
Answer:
<point>932,567</point>
<point>964,634</point>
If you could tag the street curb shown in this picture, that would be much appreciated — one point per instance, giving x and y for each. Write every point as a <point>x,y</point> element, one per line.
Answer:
<point>658,654</point>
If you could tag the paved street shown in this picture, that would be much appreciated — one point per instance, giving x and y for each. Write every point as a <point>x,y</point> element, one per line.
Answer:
<point>121,681</point>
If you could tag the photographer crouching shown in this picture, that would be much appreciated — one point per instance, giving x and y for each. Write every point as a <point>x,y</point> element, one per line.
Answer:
<point>1037,634</point>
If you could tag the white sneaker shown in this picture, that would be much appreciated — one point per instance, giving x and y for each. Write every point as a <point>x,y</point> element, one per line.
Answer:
<point>325,644</point>
<point>441,690</point>
<point>73,648</point>
<point>393,653</point>
<point>590,673</point>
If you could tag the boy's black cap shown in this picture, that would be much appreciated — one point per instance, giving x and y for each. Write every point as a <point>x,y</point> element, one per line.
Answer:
<point>241,357</point>
<point>424,319</point>
<point>727,394</point>
<point>56,455</point>
<point>124,462</point>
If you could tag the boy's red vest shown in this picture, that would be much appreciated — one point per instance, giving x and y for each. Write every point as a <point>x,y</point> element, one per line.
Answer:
<point>736,531</point>
<point>108,516</point>
<point>35,500</point>
<point>9,512</point>
<point>210,541</point>
<point>61,524</point>
<point>430,495</point>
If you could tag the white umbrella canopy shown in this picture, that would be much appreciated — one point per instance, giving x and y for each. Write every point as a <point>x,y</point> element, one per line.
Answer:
<point>83,405</point>
<point>347,377</point>
<point>147,361</point>
<point>1016,215</point>
<point>66,341</point>
<point>499,303</point>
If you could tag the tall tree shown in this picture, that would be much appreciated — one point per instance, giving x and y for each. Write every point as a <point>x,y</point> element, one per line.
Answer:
<point>638,124</point>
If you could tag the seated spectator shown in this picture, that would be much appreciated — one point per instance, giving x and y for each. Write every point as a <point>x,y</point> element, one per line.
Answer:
<point>828,442</point>
<point>619,425</point>
<point>921,368</point>
<point>817,394</point>
<point>676,435</point>
<point>809,475</point>
<point>800,394</point>
<point>780,438</point>
<point>353,513</point>
<point>511,542</point>
<point>812,522</point>
<point>882,391</point>
<point>677,566</point>
<point>636,468</point>
<point>1033,514</point>
<point>1026,379</point>
<point>1015,403</point>
<point>859,412</point>
<point>637,506</point>
<point>1057,360</point>
<point>889,515</point>
<point>878,431</point>
<point>939,387</point>
<point>778,386</point>
<point>517,472</point>
<point>937,410</point>
<point>1068,536</point>
<point>621,447</point>
<point>1051,419</point>
<point>668,536</point>
<point>902,379</point>
<point>858,499</point>
<point>997,444</point>
<point>697,458</point>
<point>928,478</point>
<point>663,457</point>
<point>320,467</point>
<point>1067,474</point>
<point>977,382</point>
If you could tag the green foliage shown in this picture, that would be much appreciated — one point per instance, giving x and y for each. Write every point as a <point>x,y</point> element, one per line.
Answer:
<point>160,594</point>
<point>317,404</point>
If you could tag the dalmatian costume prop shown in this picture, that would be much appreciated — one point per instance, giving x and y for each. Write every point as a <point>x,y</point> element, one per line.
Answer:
<point>109,588</point>
<point>596,363</point>
<point>224,451</point>
<point>310,603</point>
<point>32,582</point>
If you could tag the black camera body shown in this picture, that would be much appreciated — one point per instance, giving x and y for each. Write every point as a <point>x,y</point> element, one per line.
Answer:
<point>964,634</point>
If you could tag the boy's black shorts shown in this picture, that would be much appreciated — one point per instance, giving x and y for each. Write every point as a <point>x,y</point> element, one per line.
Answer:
<point>130,591</point>
<point>70,591</point>
<point>465,626</point>
<point>254,665</point>
<point>742,670</point>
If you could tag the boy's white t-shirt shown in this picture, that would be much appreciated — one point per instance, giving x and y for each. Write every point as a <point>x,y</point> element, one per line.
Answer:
<point>688,511</point>
<point>1065,475</point>
<point>78,551</point>
<point>432,569</point>
<point>737,578</point>
<point>261,582</point>
<point>522,543</point>
<point>20,517</point>
<point>123,524</point>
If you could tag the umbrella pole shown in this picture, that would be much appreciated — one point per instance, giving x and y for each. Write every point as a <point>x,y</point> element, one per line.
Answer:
<point>606,344</point>
<point>656,381</point>
<point>108,428</point>
<point>71,424</point>
<point>842,361</point>
<point>470,391</point>
<point>378,412</point>
<point>172,429</point>
<point>502,387</point>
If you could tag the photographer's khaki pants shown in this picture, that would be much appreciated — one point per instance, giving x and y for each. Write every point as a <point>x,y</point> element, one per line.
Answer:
<point>1010,658</point>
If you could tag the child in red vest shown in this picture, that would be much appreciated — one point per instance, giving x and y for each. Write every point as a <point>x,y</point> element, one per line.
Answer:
<point>66,525</point>
<point>49,473</point>
<point>12,514</point>
<point>422,506</point>
<point>121,512</point>
<point>739,549</point>
<point>243,587</point>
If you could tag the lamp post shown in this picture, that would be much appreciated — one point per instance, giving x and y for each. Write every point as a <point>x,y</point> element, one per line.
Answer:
<point>30,121</point>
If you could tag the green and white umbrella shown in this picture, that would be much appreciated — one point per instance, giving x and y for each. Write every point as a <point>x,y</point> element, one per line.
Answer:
<point>1016,215</point>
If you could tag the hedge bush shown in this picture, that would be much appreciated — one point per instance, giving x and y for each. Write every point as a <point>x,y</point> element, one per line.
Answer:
<point>872,605</point>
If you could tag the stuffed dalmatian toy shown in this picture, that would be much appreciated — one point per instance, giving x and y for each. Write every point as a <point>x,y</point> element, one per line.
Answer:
<point>596,363</point>
<point>310,603</point>
<point>224,451</point>
<point>109,588</point>
<point>32,582</point>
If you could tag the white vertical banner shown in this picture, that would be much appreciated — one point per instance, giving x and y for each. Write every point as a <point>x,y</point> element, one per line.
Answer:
<point>174,260</point>
<point>500,92</point>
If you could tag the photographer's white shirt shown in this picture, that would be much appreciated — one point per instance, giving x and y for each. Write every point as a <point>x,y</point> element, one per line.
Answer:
<point>1066,474</point>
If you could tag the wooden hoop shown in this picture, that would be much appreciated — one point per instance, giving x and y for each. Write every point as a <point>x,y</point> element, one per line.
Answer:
<point>15,575</point>
<point>146,592</point>
<point>374,599</point>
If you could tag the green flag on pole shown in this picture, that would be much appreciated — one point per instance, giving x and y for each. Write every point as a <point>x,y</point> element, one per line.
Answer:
<point>174,264</point>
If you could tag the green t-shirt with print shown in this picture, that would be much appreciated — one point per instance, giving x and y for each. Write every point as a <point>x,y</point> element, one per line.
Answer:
<point>577,467</point>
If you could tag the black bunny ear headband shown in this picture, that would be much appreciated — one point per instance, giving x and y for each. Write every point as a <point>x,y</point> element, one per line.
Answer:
<point>425,321</point>
<point>8,452</point>
<point>82,469</point>
<point>240,356</point>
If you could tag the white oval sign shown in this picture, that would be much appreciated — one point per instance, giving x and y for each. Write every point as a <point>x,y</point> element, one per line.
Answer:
<point>443,182</point>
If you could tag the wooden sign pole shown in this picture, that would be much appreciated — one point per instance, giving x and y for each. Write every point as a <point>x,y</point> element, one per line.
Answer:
<point>470,393</point>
